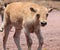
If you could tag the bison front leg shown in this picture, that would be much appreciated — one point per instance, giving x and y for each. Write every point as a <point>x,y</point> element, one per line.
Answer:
<point>40,39</point>
<point>4,22</point>
<point>17,38</point>
<point>28,38</point>
<point>2,17</point>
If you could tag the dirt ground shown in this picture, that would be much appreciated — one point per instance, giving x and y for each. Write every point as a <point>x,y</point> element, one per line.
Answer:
<point>50,33</point>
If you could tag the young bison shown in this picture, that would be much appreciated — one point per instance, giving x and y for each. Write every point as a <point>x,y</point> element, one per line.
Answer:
<point>2,7</point>
<point>29,16</point>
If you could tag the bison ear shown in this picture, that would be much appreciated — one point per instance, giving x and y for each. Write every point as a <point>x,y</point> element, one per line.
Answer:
<point>32,9</point>
<point>50,9</point>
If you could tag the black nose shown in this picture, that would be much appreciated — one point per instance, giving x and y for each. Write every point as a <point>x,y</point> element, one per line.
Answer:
<point>43,23</point>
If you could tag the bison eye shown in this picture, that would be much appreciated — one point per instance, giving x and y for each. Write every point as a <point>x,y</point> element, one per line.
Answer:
<point>38,15</point>
<point>46,15</point>
<point>32,9</point>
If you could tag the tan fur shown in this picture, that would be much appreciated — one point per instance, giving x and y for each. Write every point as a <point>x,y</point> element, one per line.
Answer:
<point>22,10</point>
<point>18,14</point>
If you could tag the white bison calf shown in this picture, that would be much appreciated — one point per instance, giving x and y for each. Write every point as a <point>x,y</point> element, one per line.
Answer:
<point>29,16</point>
